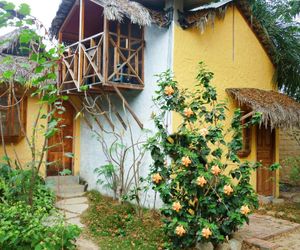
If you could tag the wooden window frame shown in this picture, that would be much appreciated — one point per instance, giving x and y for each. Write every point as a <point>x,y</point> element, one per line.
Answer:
<point>12,119</point>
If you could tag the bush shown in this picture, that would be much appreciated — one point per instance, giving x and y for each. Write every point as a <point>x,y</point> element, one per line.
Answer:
<point>190,170</point>
<point>294,173</point>
<point>38,226</point>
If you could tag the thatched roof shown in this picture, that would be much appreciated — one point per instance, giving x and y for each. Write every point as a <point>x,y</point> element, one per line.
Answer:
<point>205,15</point>
<point>10,58</point>
<point>115,10</point>
<point>278,110</point>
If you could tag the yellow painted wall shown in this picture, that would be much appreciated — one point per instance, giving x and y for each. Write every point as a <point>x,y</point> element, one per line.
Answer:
<point>22,149</point>
<point>236,58</point>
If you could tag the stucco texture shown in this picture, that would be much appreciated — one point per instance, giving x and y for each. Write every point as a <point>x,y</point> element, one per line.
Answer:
<point>231,50</point>
<point>22,149</point>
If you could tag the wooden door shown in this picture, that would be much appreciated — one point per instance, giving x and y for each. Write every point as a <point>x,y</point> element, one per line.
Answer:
<point>62,143</point>
<point>265,155</point>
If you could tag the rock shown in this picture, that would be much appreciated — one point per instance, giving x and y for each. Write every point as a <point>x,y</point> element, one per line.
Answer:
<point>271,213</point>
<point>280,213</point>
<point>278,201</point>
<point>287,195</point>
<point>205,246</point>
<point>235,244</point>
<point>265,199</point>
<point>224,246</point>
<point>75,221</point>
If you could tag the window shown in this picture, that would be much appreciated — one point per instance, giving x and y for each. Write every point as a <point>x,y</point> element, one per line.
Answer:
<point>13,116</point>
<point>247,134</point>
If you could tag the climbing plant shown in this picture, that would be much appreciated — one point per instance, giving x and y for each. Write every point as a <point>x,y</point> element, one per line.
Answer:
<point>204,186</point>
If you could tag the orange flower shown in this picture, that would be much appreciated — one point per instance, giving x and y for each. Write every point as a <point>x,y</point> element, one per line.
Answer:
<point>215,170</point>
<point>228,190</point>
<point>206,233</point>
<point>156,178</point>
<point>203,132</point>
<point>201,181</point>
<point>169,90</point>
<point>186,161</point>
<point>180,231</point>
<point>176,206</point>
<point>245,210</point>
<point>188,112</point>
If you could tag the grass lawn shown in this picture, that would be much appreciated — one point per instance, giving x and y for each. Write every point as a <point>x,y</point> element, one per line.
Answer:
<point>287,211</point>
<point>115,226</point>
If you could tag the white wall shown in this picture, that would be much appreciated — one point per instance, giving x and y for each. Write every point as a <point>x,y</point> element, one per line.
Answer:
<point>158,58</point>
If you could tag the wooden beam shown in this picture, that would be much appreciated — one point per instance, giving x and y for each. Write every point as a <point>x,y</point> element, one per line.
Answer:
<point>68,18</point>
<point>247,115</point>
<point>105,50</point>
<point>128,107</point>
<point>81,37</point>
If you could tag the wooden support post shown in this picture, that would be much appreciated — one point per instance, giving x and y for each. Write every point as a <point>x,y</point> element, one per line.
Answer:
<point>143,53</point>
<point>129,47</point>
<point>60,66</point>
<point>105,50</point>
<point>81,37</point>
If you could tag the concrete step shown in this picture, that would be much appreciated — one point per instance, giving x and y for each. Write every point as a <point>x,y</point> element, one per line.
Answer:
<point>69,195</point>
<point>62,180</point>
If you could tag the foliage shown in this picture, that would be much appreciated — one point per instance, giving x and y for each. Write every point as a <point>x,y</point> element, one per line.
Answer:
<point>191,166</point>
<point>26,227</point>
<point>294,164</point>
<point>279,18</point>
<point>119,227</point>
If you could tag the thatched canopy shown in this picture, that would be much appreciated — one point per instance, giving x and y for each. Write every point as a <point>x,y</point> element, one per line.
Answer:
<point>12,59</point>
<point>205,15</point>
<point>278,110</point>
<point>115,10</point>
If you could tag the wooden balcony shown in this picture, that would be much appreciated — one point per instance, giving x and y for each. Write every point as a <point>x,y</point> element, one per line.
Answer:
<point>103,62</point>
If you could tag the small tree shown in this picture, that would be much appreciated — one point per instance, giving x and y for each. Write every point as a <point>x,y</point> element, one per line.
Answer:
<point>202,202</point>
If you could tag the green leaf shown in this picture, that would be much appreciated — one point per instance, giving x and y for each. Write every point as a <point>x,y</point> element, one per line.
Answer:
<point>24,9</point>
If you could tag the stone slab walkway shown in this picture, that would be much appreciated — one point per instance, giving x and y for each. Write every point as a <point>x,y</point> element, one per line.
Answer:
<point>72,208</point>
<point>263,231</point>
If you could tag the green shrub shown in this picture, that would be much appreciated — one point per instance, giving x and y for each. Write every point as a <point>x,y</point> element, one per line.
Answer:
<point>191,171</point>
<point>294,174</point>
<point>38,226</point>
<point>23,228</point>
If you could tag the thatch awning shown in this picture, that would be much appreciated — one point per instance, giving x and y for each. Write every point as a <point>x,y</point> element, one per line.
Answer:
<point>278,110</point>
<point>205,15</point>
<point>116,10</point>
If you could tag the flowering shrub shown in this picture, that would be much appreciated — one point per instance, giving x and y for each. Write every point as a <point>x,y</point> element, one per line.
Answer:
<point>202,203</point>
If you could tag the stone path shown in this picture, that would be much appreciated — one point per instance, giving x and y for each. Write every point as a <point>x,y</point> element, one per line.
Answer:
<point>73,208</point>
<point>264,232</point>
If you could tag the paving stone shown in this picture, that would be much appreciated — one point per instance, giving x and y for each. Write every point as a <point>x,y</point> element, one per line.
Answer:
<point>85,244</point>
<point>75,221</point>
<point>69,215</point>
<point>265,199</point>
<point>271,213</point>
<point>261,244</point>
<point>287,195</point>
<point>74,208</point>
<point>278,201</point>
<point>224,246</point>
<point>71,201</point>
<point>296,198</point>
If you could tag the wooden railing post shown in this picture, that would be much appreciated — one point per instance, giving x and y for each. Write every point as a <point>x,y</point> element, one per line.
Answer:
<point>81,37</point>
<point>105,50</point>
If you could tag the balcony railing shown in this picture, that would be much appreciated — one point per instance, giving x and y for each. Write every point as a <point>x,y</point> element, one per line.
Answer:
<point>104,60</point>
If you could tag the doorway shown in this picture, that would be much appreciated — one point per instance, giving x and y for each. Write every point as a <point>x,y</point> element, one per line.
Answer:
<point>61,144</point>
<point>265,155</point>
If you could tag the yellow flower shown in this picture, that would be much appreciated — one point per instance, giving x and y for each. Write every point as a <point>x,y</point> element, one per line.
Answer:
<point>180,231</point>
<point>203,132</point>
<point>156,178</point>
<point>186,161</point>
<point>176,206</point>
<point>228,190</point>
<point>245,210</point>
<point>206,233</point>
<point>201,181</point>
<point>215,170</point>
<point>188,112</point>
<point>169,90</point>
<point>191,211</point>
